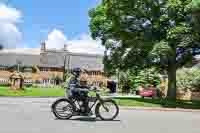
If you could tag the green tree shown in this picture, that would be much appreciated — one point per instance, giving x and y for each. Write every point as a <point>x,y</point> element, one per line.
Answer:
<point>143,33</point>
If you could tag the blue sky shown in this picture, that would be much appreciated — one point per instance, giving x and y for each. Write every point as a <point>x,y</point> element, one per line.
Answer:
<point>39,18</point>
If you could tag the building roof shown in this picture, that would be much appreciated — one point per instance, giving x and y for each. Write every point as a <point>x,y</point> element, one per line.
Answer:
<point>9,59</point>
<point>32,51</point>
<point>51,58</point>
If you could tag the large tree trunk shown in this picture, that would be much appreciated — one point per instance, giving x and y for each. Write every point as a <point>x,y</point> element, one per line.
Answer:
<point>196,17</point>
<point>171,93</point>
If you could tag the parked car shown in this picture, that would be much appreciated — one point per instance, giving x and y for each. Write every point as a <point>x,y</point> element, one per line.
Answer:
<point>151,91</point>
<point>148,93</point>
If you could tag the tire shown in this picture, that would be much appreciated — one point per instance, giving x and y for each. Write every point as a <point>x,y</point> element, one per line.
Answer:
<point>69,107</point>
<point>98,113</point>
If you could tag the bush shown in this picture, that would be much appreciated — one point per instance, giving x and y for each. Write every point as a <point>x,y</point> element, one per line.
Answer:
<point>132,79</point>
<point>188,78</point>
<point>144,77</point>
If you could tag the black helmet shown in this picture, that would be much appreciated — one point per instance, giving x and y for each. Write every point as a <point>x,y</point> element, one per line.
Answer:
<point>76,71</point>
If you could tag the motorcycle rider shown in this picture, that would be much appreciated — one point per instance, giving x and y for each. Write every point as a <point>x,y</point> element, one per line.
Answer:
<point>78,91</point>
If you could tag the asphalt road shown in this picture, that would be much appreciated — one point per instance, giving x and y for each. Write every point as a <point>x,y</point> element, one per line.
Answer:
<point>32,115</point>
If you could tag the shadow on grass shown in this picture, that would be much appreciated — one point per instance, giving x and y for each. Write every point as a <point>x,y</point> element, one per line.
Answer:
<point>166,103</point>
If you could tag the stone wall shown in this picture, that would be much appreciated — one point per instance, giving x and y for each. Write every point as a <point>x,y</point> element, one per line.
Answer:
<point>188,95</point>
<point>195,96</point>
<point>183,95</point>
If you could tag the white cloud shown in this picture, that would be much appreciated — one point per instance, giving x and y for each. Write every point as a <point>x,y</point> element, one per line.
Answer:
<point>56,39</point>
<point>85,44</point>
<point>10,36</point>
<point>81,44</point>
<point>9,14</point>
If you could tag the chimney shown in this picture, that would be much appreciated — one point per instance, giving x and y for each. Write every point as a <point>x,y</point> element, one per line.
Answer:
<point>65,47</point>
<point>43,46</point>
<point>1,47</point>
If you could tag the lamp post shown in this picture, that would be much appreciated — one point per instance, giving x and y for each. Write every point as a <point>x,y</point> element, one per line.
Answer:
<point>68,63</point>
<point>64,68</point>
<point>118,79</point>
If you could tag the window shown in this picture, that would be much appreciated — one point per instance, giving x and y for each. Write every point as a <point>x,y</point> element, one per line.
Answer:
<point>3,69</point>
<point>44,69</point>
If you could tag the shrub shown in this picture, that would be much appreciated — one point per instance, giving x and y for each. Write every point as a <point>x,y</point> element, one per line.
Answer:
<point>188,78</point>
<point>145,77</point>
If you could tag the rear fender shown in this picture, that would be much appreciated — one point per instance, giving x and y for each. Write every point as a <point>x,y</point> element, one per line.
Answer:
<point>60,99</point>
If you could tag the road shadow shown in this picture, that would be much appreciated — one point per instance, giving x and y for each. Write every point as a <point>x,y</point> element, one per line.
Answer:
<point>89,119</point>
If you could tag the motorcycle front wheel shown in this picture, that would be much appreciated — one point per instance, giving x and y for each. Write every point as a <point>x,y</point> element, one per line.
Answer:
<point>107,110</point>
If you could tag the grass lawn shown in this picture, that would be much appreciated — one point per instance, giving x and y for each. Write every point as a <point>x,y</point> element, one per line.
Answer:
<point>139,102</point>
<point>5,91</point>
<point>31,91</point>
<point>136,103</point>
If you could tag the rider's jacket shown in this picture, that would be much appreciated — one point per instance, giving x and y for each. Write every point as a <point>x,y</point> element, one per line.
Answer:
<point>74,82</point>
<point>74,85</point>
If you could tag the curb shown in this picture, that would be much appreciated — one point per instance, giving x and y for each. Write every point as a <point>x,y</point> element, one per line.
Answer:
<point>160,109</point>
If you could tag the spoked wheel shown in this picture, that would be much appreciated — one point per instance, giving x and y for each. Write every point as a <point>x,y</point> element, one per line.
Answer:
<point>62,109</point>
<point>108,110</point>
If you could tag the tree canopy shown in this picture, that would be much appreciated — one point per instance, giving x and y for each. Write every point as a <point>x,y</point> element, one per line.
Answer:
<point>144,33</point>
<point>196,14</point>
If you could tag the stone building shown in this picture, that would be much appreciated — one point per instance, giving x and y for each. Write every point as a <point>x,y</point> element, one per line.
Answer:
<point>45,65</point>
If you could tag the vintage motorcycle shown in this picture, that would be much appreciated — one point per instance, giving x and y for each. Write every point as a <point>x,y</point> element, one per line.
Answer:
<point>104,108</point>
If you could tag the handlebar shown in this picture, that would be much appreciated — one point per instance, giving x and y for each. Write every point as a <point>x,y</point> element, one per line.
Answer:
<point>94,88</point>
<point>89,88</point>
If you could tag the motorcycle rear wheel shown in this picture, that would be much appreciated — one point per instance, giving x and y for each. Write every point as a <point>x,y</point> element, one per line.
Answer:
<point>62,112</point>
